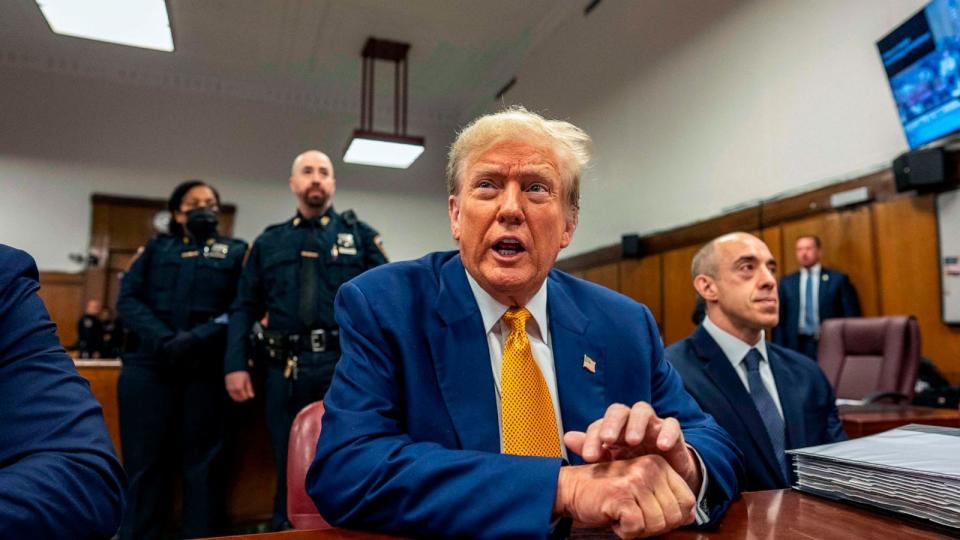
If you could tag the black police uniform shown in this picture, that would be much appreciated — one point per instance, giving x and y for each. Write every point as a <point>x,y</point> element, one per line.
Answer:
<point>292,274</point>
<point>176,288</point>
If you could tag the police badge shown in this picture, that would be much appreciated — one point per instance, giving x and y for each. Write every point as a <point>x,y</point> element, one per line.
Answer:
<point>346,244</point>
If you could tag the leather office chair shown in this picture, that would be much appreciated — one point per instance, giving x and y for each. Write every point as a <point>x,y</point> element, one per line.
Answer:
<point>304,433</point>
<point>871,358</point>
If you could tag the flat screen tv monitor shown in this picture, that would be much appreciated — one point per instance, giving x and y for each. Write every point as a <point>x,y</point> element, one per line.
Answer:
<point>922,61</point>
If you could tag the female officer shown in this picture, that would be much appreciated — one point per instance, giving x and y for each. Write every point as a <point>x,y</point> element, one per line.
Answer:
<point>175,298</point>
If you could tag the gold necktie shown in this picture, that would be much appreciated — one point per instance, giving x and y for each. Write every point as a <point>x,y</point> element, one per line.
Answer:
<point>529,423</point>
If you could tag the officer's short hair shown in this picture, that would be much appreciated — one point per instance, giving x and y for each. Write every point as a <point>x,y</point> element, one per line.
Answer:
<point>816,239</point>
<point>570,144</point>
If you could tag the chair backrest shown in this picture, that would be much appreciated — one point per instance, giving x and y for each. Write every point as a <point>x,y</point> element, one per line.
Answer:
<point>861,356</point>
<point>304,433</point>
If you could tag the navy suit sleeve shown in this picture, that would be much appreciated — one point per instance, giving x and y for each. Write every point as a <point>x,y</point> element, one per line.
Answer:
<point>132,302</point>
<point>848,298</point>
<point>59,477</point>
<point>720,455</point>
<point>369,472</point>
<point>834,426</point>
<point>249,307</point>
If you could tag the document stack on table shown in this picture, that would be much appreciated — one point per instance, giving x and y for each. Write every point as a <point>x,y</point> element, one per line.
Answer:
<point>912,470</point>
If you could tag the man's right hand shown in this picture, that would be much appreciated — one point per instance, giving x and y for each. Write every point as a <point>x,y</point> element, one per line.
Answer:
<point>239,386</point>
<point>638,497</point>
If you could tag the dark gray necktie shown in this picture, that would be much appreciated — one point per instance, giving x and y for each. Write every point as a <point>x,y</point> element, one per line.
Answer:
<point>310,268</point>
<point>767,409</point>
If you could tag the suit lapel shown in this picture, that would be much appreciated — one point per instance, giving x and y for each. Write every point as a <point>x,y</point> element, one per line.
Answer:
<point>581,391</point>
<point>728,383</point>
<point>461,359</point>
<point>791,399</point>
<point>823,296</point>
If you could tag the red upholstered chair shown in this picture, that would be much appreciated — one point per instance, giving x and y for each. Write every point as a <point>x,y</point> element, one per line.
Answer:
<point>304,433</point>
<point>870,358</point>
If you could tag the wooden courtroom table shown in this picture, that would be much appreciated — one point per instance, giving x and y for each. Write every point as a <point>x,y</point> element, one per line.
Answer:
<point>775,515</point>
<point>861,420</point>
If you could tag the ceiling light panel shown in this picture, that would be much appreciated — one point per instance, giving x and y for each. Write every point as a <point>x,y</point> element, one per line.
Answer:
<point>368,151</point>
<point>136,23</point>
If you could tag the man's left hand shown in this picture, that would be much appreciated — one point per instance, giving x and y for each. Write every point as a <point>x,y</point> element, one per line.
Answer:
<point>628,432</point>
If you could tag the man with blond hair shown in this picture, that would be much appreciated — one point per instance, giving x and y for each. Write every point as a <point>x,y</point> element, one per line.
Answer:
<point>469,377</point>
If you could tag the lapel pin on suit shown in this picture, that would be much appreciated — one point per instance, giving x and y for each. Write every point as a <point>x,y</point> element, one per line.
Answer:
<point>825,277</point>
<point>589,364</point>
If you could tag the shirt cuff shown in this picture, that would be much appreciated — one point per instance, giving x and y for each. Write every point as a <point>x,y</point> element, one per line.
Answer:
<point>703,510</point>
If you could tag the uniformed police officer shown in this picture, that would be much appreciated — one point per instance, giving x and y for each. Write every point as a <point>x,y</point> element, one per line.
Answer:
<point>176,297</point>
<point>292,274</point>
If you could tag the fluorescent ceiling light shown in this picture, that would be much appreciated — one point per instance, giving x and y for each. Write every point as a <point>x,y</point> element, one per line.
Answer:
<point>137,23</point>
<point>394,151</point>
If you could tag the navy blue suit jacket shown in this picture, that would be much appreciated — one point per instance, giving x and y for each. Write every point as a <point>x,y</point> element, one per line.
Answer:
<point>59,476</point>
<point>410,441</point>
<point>807,400</point>
<point>837,298</point>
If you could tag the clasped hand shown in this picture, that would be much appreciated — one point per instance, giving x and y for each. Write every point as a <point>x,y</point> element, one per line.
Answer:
<point>640,477</point>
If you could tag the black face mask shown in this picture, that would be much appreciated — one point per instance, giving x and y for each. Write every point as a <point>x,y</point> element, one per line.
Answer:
<point>202,222</point>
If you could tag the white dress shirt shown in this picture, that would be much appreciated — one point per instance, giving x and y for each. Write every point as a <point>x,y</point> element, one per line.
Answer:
<point>815,273</point>
<point>736,350</point>
<point>538,333</point>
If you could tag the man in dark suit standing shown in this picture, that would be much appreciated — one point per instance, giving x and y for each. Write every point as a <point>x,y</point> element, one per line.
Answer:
<point>768,398</point>
<point>811,296</point>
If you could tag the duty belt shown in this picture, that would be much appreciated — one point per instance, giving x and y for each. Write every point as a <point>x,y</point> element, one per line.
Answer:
<point>285,348</point>
<point>279,344</point>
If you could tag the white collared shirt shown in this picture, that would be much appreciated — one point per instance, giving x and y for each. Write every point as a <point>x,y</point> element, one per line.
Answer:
<point>736,350</point>
<point>538,333</point>
<point>815,273</point>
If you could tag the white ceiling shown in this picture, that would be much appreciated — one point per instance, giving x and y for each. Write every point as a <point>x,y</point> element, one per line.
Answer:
<point>307,52</point>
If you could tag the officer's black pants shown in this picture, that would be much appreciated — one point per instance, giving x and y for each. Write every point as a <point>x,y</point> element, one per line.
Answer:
<point>284,399</point>
<point>168,416</point>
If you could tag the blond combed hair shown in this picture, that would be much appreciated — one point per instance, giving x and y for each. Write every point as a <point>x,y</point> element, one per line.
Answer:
<point>569,143</point>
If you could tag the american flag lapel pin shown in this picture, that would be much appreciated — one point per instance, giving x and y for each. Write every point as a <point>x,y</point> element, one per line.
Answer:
<point>589,364</point>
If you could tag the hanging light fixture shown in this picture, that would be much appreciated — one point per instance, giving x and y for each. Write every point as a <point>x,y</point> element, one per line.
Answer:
<point>370,147</point>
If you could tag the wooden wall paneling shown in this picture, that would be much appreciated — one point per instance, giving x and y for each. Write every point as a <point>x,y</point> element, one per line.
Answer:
<point>700,233</point>
<point>252,476</point>
<point>880,184</point>
<point>766,214</point>
<point>131,226</point>
<point>62,294</point>
<point>847,246</point>
<point>95,282</point>
<point>773,238</point>
<point>641,280</point>
<point>103,375</point>
<point>908,262</point>
<point>606,275</point>
<point>679,296</point>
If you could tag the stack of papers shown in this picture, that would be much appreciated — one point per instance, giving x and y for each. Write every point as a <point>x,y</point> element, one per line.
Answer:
<point>913,470</point>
